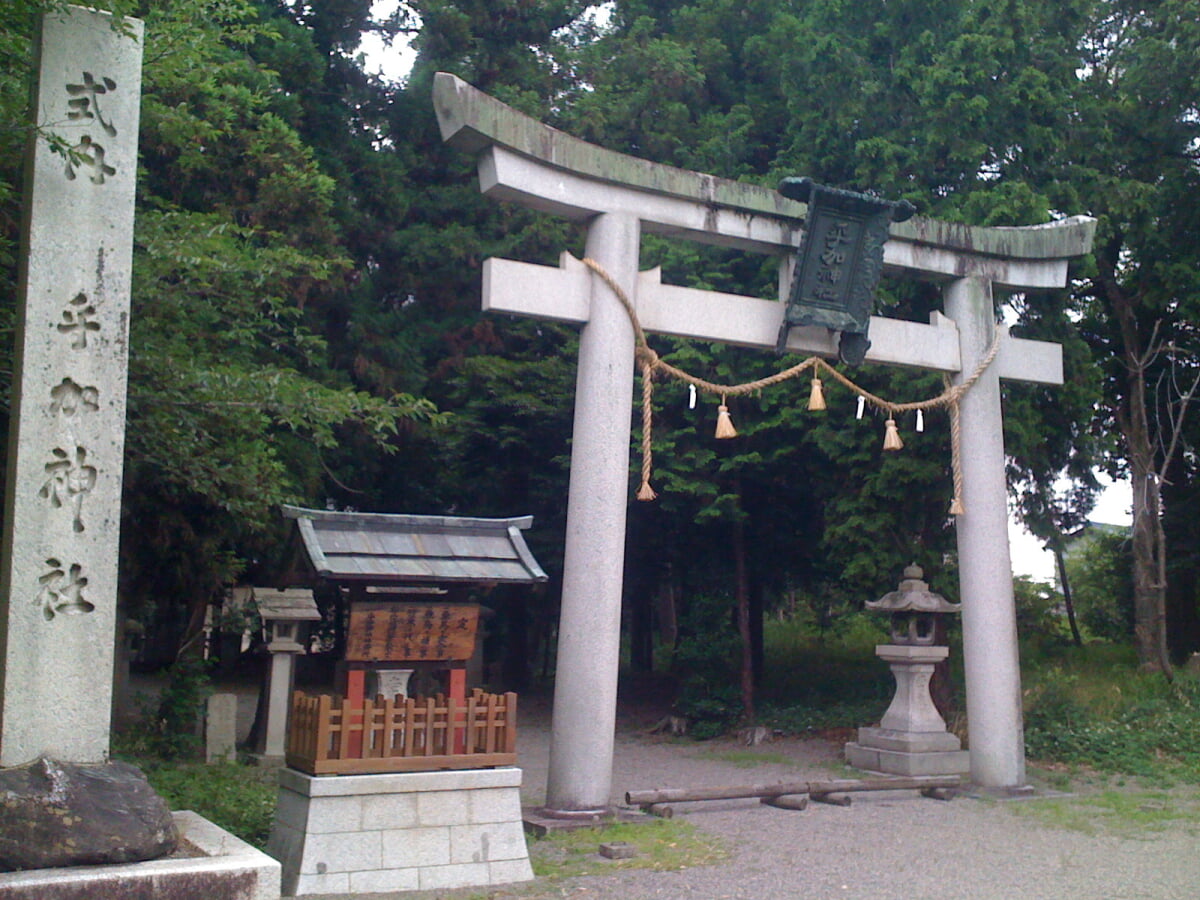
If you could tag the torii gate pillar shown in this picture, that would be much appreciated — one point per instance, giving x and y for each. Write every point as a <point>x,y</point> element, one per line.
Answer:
<point>989,619</point>
<point>618,197</point>
<point>589,628</point>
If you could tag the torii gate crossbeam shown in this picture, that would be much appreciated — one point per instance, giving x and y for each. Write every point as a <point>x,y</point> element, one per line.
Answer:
<point>619,197</point>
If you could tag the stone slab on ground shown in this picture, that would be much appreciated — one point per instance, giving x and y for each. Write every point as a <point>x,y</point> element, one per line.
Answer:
<point>908,741</point>
<point>539,822</point>
<point>220,728</point>
<point>223,868</point>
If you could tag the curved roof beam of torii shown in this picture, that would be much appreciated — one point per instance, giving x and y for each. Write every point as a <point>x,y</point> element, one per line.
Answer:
<point>515,151</point>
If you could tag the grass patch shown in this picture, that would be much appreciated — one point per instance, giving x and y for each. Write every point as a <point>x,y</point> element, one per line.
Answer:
<point>241,799</point>
<point>661,845</point>
<point>748,759</point>
<point>1121,813</point>
<point>1091,708</point>
<point>823,681</point>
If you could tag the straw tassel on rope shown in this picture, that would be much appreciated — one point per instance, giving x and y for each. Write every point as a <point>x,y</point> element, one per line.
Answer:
<point>816,397</point>
<point>652,362</point>
<point>725,427</point>
<point>956,505</point>
<point>891,436</point>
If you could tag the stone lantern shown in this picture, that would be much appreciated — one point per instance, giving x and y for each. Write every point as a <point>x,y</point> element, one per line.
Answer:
<point>284,613</point>
<point>912,738</point>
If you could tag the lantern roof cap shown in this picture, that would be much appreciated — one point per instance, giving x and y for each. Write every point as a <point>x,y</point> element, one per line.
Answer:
<point>913,595</point>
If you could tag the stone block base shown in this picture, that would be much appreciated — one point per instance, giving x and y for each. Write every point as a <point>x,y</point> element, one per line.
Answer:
<point>908,741</point>
<point>901,762</point>
<point>363,834</point>
<point>224,869</point>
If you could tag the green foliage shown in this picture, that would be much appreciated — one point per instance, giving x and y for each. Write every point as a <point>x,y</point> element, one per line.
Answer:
<point>169,728</point>
<point>1133,154</point>
<point>239,798</point>
<point>1041,620</point>
<point>308,255</point>
<point>1091,711</point>
<point>825,678</point>
<point>237,400</point>
<point>706,661</point>
<point>1100,569</point>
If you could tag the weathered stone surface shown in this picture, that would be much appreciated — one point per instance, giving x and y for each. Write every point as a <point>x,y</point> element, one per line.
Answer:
<point>211,864</point>
<point>62,514</point>
<point>474,121</point>
<point>63,814</point>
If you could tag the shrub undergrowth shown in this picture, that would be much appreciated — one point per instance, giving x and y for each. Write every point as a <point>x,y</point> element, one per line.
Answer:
<point>824,679</point>
<point>165,744</point>
<point>239,798</point>
<point>1091,707</point>
<point>1087,707</point>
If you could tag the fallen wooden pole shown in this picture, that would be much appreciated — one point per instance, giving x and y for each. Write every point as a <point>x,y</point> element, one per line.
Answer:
<point>841,786</point>
<point>786,801</point>
<point>841,798</point>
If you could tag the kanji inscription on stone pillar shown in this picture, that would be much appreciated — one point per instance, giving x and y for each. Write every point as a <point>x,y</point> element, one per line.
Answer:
<point>58,582</point>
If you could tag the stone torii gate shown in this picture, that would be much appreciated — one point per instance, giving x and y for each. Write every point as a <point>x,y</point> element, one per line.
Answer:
<point>619,197</point>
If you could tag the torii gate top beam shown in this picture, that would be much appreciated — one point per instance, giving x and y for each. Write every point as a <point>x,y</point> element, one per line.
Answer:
<point>515,151</point>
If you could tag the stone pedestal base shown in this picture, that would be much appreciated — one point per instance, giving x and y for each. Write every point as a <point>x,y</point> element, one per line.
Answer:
<point>362,834</point>
<point>913,739</point>
<point>908,753</point>
<point>224,868</point>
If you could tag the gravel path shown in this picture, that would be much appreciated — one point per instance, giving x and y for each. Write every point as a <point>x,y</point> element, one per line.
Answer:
<point>885,846</point>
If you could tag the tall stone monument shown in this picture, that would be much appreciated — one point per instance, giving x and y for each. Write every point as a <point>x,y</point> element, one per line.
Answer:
<point>72,822</point>
<point>58,581</point>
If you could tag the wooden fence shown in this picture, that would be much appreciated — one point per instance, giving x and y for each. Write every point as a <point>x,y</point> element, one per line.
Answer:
<point>329,736</point>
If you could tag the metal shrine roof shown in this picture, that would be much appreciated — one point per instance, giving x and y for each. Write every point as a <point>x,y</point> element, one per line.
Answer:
<point>385,548</point>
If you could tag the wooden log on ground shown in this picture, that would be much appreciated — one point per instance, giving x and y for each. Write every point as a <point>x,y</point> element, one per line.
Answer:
<point>662,810</point>
<point>786,801</point>
<point>938,793</point>
<point>834,798</point>
<point>686,795</point>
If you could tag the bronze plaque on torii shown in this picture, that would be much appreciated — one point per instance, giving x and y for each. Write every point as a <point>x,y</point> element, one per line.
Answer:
<point>411,632</point>
<point>838,262</point>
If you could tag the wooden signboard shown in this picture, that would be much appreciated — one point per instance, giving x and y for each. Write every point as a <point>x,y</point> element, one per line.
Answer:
<point>411,632</point>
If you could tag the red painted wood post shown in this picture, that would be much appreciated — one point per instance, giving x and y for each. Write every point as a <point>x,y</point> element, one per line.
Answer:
<point>458,693</point>
<point>356,689</point>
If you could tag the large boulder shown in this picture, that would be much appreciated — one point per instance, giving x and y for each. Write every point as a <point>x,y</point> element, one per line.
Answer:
<point>64,814</point>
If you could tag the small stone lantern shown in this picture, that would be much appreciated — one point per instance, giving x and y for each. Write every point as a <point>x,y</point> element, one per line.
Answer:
<point>283,613</point>
<point>914,609</point>
<point>912,738</point>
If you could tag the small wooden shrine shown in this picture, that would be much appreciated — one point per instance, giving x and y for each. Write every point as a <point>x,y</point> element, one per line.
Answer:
<point>406,580</point>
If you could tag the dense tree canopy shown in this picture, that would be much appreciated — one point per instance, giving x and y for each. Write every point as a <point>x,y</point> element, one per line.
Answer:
<point>308,256</point>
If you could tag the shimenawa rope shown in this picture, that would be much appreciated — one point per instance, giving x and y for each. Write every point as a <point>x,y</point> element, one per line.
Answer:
<point>651,362</point>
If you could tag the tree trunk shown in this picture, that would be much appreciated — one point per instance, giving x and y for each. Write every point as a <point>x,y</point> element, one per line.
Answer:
<point>1065,583</point>
<point>667,610</point>
<point>742,596</point>
<point>757,615</point>
<point>1149,576</point>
